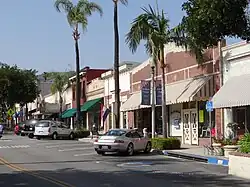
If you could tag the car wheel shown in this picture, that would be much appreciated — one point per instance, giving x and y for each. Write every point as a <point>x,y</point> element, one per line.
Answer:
<point>72,136</point>
<point>130,149</point>
<point>100,152</point>
<point>54,136</point>
<point>22,134</point>
<point>38,137</point>
<point>31,135</point>
<point>148,147</point>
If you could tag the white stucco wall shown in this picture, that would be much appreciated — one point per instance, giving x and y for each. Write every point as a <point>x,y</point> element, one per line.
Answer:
<point>95,89</point>
<point>235,63</point>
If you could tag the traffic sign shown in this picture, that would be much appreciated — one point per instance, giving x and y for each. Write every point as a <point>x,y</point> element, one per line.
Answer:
<point>209,106</point>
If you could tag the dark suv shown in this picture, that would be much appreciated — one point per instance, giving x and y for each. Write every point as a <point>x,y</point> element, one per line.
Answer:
<point>29,127</point>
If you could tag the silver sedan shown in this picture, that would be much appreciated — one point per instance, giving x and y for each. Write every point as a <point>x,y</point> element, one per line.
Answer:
<point>122,141</point>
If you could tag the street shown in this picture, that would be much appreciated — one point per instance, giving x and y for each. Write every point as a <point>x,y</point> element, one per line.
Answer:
<point>67,163</point>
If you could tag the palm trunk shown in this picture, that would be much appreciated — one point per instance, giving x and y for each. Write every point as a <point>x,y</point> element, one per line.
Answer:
<point>116,68</point>
<point>60,107</point>
<point>26,111</point>
<point>78,86</point>
<point>164,115</point>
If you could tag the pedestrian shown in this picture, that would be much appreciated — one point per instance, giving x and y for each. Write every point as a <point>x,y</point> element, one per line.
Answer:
<point>1,130</point>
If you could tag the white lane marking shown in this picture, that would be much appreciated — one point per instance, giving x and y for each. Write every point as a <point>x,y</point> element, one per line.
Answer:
<point>3,140</point>
<point>86,154</point>
<point>63,145</point>
<point>14,146</point>
<point>75,149</point>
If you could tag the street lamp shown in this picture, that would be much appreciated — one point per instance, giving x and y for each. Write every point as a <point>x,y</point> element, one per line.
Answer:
<point>153,65</point>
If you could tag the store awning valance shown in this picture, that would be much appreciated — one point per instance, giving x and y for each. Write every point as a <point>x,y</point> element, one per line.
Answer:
<point>69,113</point>
<point>235,92</point>
<point>133,103</point>
<point>187,91</point>
<point>88,105</point>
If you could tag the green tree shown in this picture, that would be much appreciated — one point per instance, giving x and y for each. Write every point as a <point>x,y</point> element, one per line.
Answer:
<point>208,22</point>
<point>77,15</point>
<point>153,27</point>
<point>60,85</point>
<point>116,62</point>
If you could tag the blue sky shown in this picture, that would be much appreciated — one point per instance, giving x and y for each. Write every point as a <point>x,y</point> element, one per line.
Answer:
<point>34,35</point>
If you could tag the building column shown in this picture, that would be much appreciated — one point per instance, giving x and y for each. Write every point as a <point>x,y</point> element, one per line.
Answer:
<point>87,121</point>
<point>121,120</point>
<point>228,118</point>
<point>71,123</point>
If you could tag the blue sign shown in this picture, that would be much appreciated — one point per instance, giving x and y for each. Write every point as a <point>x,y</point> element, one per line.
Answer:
<point>145,92</point>
<point>209,106</point>
<point>158,92</point>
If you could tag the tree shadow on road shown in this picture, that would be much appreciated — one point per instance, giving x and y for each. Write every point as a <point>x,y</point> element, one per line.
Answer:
<point>121,178</point>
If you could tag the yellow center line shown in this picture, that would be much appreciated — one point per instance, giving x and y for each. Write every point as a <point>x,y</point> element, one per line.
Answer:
<point>21,169</point>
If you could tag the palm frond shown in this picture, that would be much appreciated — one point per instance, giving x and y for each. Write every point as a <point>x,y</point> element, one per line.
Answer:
<point>88,8</point>
<point>124,2</point>
<point>63,5</point>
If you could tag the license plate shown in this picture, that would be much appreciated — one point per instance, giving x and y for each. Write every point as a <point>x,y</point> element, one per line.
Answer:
<point>40,131</point>
<point>104,147</point>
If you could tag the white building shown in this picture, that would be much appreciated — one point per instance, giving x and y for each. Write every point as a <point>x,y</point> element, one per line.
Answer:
<point>234,95</point>
<point>109,95</point>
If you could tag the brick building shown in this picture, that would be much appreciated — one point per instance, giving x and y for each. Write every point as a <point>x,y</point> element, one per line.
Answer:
<point>189,86</point>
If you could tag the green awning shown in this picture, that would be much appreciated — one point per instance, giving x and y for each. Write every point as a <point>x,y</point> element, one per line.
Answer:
<point>69,113</point>
<point>90,104</point>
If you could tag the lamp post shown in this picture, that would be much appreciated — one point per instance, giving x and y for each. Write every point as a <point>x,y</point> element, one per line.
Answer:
<point>152,65</point>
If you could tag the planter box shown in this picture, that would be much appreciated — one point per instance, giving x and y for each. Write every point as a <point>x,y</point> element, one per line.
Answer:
<point>239,165</point>
<point>229,148</point>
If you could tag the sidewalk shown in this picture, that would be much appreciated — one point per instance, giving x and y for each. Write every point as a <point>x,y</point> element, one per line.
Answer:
<point>196,153</point>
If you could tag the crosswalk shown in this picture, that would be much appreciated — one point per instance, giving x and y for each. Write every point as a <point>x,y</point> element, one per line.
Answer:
<point>14,146</point>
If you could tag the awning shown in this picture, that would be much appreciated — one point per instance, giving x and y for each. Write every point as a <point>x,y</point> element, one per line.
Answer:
<point>90,104</point>
<point>235,92</point>
<point>187,90</point>
<point>133,103</point>
<point>69,113</point>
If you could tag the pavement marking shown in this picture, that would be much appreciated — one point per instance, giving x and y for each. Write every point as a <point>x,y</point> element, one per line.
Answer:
<point>55,143</point>
<point>76,149</point>
<point>63,145</point>
<point>14,146</point>
<point>5,140</point>
<point>85,154</point>
<point>34,174</point>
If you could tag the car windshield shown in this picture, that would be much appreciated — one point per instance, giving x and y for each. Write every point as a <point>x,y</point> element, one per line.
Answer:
<point>115,133</point>
<point>42,124</point>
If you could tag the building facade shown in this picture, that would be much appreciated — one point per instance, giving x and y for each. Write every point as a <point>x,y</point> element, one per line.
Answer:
<point>188,87</point>
<point>233,96</point>
<point>109,95</point>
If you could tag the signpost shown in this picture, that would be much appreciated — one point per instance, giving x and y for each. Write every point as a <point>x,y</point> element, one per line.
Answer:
<point>209,108</point>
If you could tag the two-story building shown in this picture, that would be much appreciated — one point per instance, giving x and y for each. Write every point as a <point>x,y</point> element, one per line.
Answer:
<point>234,96</point>
<point>87,74</point>
<point>188,87</point>
<point>93,105</point>
<point>109,95</point>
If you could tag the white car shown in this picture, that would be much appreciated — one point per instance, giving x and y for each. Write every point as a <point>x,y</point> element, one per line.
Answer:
<point>53,129</point>
<point>123,141</point>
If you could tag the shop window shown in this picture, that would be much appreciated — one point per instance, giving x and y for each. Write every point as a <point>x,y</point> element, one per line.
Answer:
<point>203,119</point>
<point>241,116</point>
<point>189,105</point>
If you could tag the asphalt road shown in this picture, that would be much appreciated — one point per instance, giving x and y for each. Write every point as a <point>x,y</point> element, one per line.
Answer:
<point>66,163</point>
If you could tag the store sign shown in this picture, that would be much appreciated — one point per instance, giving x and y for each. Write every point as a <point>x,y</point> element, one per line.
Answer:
<point>158,86</point>
<point>145,92</point>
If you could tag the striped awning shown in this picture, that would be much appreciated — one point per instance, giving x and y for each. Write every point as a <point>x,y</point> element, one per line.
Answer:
<point>235,92</point>
<point>189,90</point>
<point>133,103</point>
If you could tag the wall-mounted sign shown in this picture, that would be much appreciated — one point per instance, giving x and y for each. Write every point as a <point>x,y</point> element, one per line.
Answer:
<point>175,118</point>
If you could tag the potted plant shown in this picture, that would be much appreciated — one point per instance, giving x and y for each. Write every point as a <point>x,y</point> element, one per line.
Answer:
<point>230,145</point>
<point>217,142</point>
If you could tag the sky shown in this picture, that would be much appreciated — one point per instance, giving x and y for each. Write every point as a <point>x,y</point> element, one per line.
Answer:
<point>34,35</point>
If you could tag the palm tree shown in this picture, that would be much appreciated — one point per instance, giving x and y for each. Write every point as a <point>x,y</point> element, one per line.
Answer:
<point>116,62</point>
<point>153,27</point>
<point>60,85</point>
<point>77,15</point>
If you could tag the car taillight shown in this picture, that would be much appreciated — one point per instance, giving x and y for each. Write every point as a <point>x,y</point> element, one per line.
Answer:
<point>49,130</point>
<point>119,141</point>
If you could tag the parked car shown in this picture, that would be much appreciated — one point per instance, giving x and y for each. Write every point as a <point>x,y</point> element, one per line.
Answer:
<point>53,129</point>
<point>122,141</point>
<point>29,127</point>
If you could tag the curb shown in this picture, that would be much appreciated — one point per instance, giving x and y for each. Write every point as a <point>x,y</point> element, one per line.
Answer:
<point>198,158</point>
